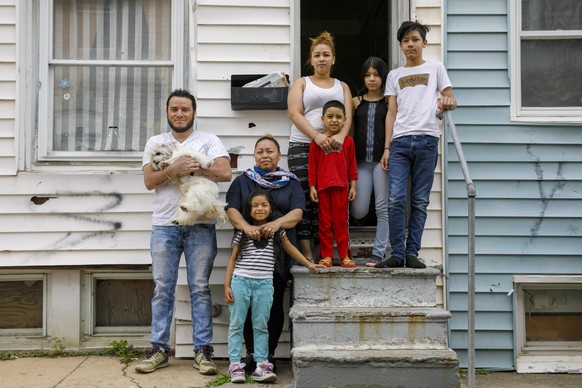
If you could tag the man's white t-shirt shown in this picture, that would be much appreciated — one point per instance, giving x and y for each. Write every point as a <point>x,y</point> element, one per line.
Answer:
<point>416,90</point>
<point>166,198</point>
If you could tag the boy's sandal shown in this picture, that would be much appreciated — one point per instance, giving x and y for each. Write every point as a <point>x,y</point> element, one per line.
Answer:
<point>348,263</point>
<point>326,262</point>
<point>372,263</point>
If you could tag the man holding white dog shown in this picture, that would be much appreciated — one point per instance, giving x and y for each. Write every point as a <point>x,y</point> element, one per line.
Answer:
<point>169,241</point>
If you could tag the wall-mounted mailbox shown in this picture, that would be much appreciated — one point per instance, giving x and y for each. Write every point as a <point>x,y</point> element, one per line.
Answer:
<point>248,98</point>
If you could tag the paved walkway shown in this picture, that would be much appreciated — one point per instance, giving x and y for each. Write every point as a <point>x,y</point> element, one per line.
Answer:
<point>96,371</point>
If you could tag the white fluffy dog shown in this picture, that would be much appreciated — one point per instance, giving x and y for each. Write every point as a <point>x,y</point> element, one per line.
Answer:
<point>198,195</point>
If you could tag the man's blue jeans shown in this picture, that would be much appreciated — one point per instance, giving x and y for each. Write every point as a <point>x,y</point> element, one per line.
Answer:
<point>413,157</point>
<point>198,243</point>
<point>256,294</point>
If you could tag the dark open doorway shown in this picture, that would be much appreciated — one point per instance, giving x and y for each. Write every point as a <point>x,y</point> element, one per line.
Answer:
<point>360,29</point>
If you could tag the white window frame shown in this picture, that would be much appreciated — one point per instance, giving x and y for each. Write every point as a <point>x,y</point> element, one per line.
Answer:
<point>543,357</point>
<point>32,332</point>
<point>516,35</point>
<point>90,304</point>
<point>41,157</point>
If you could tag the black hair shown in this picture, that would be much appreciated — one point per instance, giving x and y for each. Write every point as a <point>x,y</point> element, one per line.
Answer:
<point>381,68</point>
<point>270,138</point>
<point>408,26</point>
<point>278,251</point>
<point>181,93</point>
<point>333,104</point>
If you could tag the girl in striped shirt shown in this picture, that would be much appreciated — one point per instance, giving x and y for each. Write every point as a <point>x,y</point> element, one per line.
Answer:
<point>249,284</point>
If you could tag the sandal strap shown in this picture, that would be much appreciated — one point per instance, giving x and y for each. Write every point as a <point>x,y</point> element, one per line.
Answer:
<point>325,261</point>
<point>347,261</point>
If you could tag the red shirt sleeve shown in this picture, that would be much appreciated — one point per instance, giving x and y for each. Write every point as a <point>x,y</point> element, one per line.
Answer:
<point>313,162</point>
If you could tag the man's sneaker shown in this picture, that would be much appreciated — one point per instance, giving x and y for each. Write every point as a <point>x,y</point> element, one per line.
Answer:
<point>391,262</point>
<point>155,359</point>
<point>264,373</point>
<point>236,371</point>
<point>413,262</point>
<point>203,361</point>
<point>250,363</point>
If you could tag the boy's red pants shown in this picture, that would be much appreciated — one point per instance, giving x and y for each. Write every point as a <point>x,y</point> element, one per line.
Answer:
<point>333,219</point>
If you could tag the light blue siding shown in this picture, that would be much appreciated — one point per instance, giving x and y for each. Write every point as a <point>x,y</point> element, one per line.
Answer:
<point>529,185</point>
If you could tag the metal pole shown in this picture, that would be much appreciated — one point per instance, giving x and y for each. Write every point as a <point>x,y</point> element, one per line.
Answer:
<point>471,285</point>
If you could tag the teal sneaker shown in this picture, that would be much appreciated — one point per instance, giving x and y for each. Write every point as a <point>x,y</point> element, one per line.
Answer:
<point>155,359</point>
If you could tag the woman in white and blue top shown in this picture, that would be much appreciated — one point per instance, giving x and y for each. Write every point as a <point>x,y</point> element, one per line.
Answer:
<point>249,284</point>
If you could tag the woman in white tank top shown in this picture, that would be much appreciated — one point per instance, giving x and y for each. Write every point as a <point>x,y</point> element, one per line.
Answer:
<point>305,102</point>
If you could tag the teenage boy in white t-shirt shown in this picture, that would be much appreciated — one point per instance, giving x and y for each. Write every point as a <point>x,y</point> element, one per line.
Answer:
<point>411,149</point>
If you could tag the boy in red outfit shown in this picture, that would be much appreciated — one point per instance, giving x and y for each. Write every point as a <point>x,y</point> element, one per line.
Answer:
<point>329,175</point>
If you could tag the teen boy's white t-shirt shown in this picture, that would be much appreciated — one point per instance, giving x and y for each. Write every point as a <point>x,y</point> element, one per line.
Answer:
<point>416,90</point>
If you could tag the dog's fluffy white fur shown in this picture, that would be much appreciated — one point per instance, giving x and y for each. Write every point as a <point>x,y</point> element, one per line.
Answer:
<point>198,195</point>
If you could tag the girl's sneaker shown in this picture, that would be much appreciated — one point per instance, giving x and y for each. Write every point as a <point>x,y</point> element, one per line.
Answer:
<point>236,370</point>
<point>264,373</point>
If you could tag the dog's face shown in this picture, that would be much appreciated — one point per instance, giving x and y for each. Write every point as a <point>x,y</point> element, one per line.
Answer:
<point>160,155</point>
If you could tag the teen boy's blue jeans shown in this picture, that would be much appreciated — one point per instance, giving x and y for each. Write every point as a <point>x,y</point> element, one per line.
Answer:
<point>414,157</point>
<point>198,243</point>
<point>256,294</point>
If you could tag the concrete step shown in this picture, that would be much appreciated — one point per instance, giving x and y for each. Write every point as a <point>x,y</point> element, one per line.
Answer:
<point>365,287</point>
<point>314,367</point>
<point>372,328</point>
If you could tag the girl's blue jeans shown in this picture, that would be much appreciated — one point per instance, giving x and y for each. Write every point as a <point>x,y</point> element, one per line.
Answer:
<point>256,294</point>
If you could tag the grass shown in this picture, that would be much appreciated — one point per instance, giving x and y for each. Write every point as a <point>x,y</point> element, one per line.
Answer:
<point>121,349</point>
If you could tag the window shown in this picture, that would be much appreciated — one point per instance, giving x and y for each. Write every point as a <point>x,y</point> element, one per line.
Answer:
<point>546,60</point>
<point>22,305</point>
<point>118,303</point>
<point>105,70</point>
<point>548,320</point>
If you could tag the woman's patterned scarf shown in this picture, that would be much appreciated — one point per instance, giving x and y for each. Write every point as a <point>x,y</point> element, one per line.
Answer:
<point>270,179</point>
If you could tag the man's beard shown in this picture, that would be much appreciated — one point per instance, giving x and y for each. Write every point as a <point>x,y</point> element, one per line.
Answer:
<point>183,129</point>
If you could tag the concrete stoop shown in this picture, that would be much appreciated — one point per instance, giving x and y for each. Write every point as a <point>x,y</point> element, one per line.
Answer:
<point>374,368</point>
<point>368,327</point>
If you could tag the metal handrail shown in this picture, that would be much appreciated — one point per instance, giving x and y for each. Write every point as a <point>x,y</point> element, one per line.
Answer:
<point>471,194</point>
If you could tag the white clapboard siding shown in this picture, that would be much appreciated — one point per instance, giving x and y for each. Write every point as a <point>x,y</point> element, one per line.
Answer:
<point>234,37</point>
<point>8,77</point>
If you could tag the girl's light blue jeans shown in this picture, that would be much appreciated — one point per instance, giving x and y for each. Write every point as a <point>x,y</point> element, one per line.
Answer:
<point>371,175</point>
<point>198,243</point>
<point>256,294</point>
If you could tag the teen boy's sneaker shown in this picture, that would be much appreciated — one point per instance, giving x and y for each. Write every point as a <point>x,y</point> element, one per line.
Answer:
<point>203,361</point>
<point>155,359</point>
<point>413,262</point>
<point>236,371</point>
<point>391,262</point>
<point>264,373</point>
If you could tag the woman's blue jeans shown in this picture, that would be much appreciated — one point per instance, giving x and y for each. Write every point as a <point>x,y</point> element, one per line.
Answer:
<point>412,157</point>
<point>198,243</point>
<point>256,294</point>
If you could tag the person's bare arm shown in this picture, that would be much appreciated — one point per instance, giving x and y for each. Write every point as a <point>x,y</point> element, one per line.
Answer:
<point>297,115</point>
<point>228,295</point>
<point>238,221</point>
<point>298,256</point>
<point>390,119</point>
<point>338,139</point>
<point>220,170</point>
<point>448,100</point>
<point>288,221</point>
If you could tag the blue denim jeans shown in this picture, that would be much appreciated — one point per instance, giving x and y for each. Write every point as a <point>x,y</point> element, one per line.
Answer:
<point>371,175</point>
<point>198,243</point>
<point>412,157</point>
<point>256,294</point>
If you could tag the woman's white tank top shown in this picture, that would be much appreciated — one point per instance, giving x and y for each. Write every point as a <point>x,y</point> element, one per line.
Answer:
<point>314,98</point>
